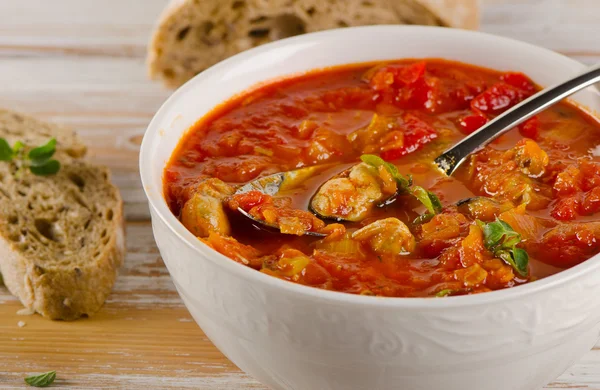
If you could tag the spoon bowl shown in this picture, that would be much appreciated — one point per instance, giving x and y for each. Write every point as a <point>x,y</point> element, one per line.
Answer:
<point>277,183</point>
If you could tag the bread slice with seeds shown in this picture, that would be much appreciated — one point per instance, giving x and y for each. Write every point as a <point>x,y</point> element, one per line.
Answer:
<point>192,35</point>
<point>61,236</point>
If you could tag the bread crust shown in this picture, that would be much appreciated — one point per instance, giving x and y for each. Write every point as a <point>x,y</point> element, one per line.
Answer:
<point>61,237</point>
<point>192,35</point>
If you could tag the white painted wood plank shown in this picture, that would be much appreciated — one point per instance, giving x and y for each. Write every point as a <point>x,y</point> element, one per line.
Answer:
<point>77,27</point>
<point>568,26</point>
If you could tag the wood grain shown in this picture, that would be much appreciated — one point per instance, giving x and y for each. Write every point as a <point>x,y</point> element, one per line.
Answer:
<point>81,63</point>
<point>123,346</point>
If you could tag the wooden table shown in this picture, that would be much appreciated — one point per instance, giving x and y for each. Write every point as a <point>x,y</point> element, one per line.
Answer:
<point>81,62</point>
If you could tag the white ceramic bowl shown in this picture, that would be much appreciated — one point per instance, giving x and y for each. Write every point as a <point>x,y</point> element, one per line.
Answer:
<point>290,336</point>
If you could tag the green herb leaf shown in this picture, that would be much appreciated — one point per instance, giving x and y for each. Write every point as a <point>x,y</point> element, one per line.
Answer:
<point>18,146</point>
<point>6,152</point>
<point>429,199</point>
<point>41,380</point>
<point>499,235</point>
<point>38,160</point>
<point>520,260</point>
<point>376,162</point>
<point>48,168</point>
<point>42,153</point>
<point>444,293</point>
<point>500,239</point>
<point>423,218</point>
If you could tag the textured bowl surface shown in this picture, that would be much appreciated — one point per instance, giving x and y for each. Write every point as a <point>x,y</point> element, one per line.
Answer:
<point>295,337</point>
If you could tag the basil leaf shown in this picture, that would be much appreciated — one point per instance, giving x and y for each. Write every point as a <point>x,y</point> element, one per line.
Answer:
<point>43,153</point>
<point>517,258</point>
<point>6,152</point>
<point>520,261</point>
<point>372,160</point>
<point>429,199</point>
<point>423,218</point>
<point>435,201</point>
<point>376,162</point>
<point>41,380</point>
<point>499,234</point>
<point>445,293</point>
<point>46,169</point>
<point>500,239</point>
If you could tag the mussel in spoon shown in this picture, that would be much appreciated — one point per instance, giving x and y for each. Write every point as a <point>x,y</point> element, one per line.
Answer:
<point>353,194</point>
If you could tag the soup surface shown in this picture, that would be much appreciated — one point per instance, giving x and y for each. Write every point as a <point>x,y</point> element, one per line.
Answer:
<point>389,223</point>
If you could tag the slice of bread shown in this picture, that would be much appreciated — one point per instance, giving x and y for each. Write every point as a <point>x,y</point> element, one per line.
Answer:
<point>61,236</point>
<point>192,35</point>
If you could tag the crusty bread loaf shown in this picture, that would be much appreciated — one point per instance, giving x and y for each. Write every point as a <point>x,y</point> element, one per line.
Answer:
<point>61,236</point>
<point>192,35</point>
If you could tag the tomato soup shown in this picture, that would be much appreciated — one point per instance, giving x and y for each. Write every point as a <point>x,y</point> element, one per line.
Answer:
<point>376,217</point>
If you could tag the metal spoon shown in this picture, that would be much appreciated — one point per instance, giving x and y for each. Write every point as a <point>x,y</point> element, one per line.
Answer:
<point>456,155</point>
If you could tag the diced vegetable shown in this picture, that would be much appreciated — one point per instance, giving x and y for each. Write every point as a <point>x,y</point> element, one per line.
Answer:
<point>444,293</point>
<point>342,245</point>
<point>567,245</point>
<point>230,247</point>
<point>532,160</point>
<point>373,138</point>
<point>519,80</point>
<point>471,276</point>
<point>528,226</point>
<point>442,227</point>
<point>530,128</point>
<point>483,208</point>
<point>471,123</point>
<point>276,212</point>
<point>498,98</point>
<point>417,133</point>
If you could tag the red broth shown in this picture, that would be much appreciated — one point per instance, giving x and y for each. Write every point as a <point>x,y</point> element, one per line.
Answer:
<point>535,190</point>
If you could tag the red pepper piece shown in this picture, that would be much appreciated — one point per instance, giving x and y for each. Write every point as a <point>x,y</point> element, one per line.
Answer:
<point>530,128</point>
<point>470,123</point>
<point>497,98</point>
<point>566,209</point>
<point>412,73</point>
<point>416,134</point>
<point>591,202</point>
<point>248,200</point>
<point>590,175</point>
<point>519,80</point>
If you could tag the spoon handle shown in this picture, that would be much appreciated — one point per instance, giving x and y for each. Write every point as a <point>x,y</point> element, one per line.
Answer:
<point>456,155</point>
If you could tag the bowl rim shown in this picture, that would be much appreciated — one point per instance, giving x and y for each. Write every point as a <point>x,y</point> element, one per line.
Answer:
<point>207,253</point>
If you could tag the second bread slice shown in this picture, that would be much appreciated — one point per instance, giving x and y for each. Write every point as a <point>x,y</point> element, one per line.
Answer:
<point>192,35</point>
